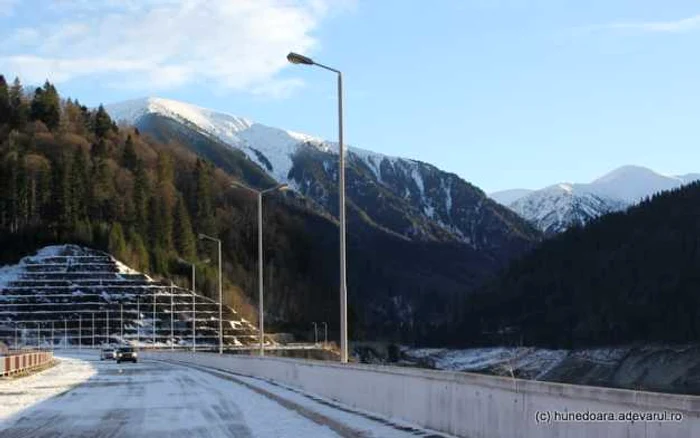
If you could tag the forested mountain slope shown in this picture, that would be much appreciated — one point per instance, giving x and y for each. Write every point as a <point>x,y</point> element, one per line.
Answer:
<point>626,277</point>
<point>69,174</point>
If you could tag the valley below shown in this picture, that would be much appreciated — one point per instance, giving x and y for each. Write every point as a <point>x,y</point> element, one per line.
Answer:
<point>644,367</point>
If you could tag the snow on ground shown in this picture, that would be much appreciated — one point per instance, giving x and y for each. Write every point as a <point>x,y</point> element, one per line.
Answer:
<point>364,422</point>
<point>123,269</point>
<point>525,360</point>
<point>8,273</point>
<point>603,356</point>
<point>20,394</point>
<point>157,399</point>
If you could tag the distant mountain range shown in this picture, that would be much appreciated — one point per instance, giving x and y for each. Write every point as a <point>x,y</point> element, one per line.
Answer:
<point>557,207</point>
<point>425,236</point>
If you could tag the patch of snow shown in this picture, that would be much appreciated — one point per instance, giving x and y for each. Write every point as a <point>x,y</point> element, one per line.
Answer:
<point>555,208</point>
<point>9,273</point>
<point>52,251</point>
<point>361,422</point>
<point>448,199</point>
<point>123,269</point>
<point>416,176</point>
<point>276,145</point>
<point>19,395</point>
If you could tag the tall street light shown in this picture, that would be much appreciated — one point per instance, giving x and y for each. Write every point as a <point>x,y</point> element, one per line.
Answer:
<point>194,302</point>
<point>172,309</point>
<point>295,58</point>
<point>221,313</point>
<point>260,194</point>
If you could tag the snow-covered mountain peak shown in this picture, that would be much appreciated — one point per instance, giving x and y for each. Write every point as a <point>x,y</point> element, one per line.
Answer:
<point>556,207</point>
<point>566,188</point>
<point>627,172</point>
<point>408,198</point>
<point>221,124</point>
<point>270,147</point>
<point>633,183</point>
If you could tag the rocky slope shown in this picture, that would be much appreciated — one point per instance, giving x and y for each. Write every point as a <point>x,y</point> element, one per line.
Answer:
<point>408,198</point>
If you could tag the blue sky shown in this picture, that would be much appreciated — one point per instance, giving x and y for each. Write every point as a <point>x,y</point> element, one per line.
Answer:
<point>504,93</point>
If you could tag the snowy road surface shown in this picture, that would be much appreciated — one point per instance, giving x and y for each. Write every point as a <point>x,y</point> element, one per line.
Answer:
<point>158,399</point>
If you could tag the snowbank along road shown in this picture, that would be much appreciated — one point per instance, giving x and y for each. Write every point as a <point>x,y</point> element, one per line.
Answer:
<point>85,397</point>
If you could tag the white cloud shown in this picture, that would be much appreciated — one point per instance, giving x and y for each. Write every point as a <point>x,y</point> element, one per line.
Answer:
<point>676,26</point>
<point>158,44</point>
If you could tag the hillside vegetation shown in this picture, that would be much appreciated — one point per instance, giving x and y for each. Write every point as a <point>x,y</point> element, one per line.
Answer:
<point>626,277</point>
<point>70,174</point>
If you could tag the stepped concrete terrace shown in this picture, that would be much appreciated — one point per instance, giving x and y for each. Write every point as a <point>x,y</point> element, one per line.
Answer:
<point>71,296</point>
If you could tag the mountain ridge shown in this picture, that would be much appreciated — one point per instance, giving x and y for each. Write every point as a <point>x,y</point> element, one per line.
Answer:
<point>557,207</point>
<point>410,198</point>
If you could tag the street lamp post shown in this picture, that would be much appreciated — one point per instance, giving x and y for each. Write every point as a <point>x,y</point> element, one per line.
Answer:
<point>172,331</point>
<point>194,303</point>
<point>325,333</point>
<point>107,327</point>
<point>261,313</point>
<point>153,325</point>
<point>194,310</point>
<point>53,338</point>
<point>65,333</point>
<point>121,322</point>
<point>92,314</point>
<point>138,320</point>
<point>295,58</point>
<point>80,331</point>
<point>221,313</point>
<point>315,333</point>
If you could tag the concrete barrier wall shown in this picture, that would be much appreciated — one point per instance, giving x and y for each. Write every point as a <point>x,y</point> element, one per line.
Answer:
<point>470,405</point>
<point>17,362</point>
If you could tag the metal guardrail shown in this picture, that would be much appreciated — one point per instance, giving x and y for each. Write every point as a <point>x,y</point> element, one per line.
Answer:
<point>14,363</point>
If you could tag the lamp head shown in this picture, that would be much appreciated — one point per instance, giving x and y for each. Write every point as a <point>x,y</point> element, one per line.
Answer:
<point>296,58</point>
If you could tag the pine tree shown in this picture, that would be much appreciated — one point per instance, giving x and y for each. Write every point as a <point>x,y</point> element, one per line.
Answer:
<point>117,243</point>
<point>37,110</point>
<point>9,193</point>
<point>79,185</point>
<point>62,201</point>
<point>52,107</point>
<point>103,193</point>
<point>141,195</point>
<point>185,242</point>
<point>129,159</point>
<point>99,149</point>
<point>46,107</point>
<point>4,101</point>
<point>204,203</point>
<point>139,253</point>
<point>19,109</point>
<point>103,123</point>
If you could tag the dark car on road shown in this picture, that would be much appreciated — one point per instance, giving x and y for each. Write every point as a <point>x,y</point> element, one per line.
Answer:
<point>126,354</point>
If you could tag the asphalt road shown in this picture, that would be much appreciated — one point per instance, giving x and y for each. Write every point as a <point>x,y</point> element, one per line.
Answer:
<point>155,399</point>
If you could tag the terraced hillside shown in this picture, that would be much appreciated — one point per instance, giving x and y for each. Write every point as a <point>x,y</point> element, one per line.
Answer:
<point>70,295</point>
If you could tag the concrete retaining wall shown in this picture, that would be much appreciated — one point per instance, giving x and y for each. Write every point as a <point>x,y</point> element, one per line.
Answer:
<point>469,405</point>
<point>17,362</point>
